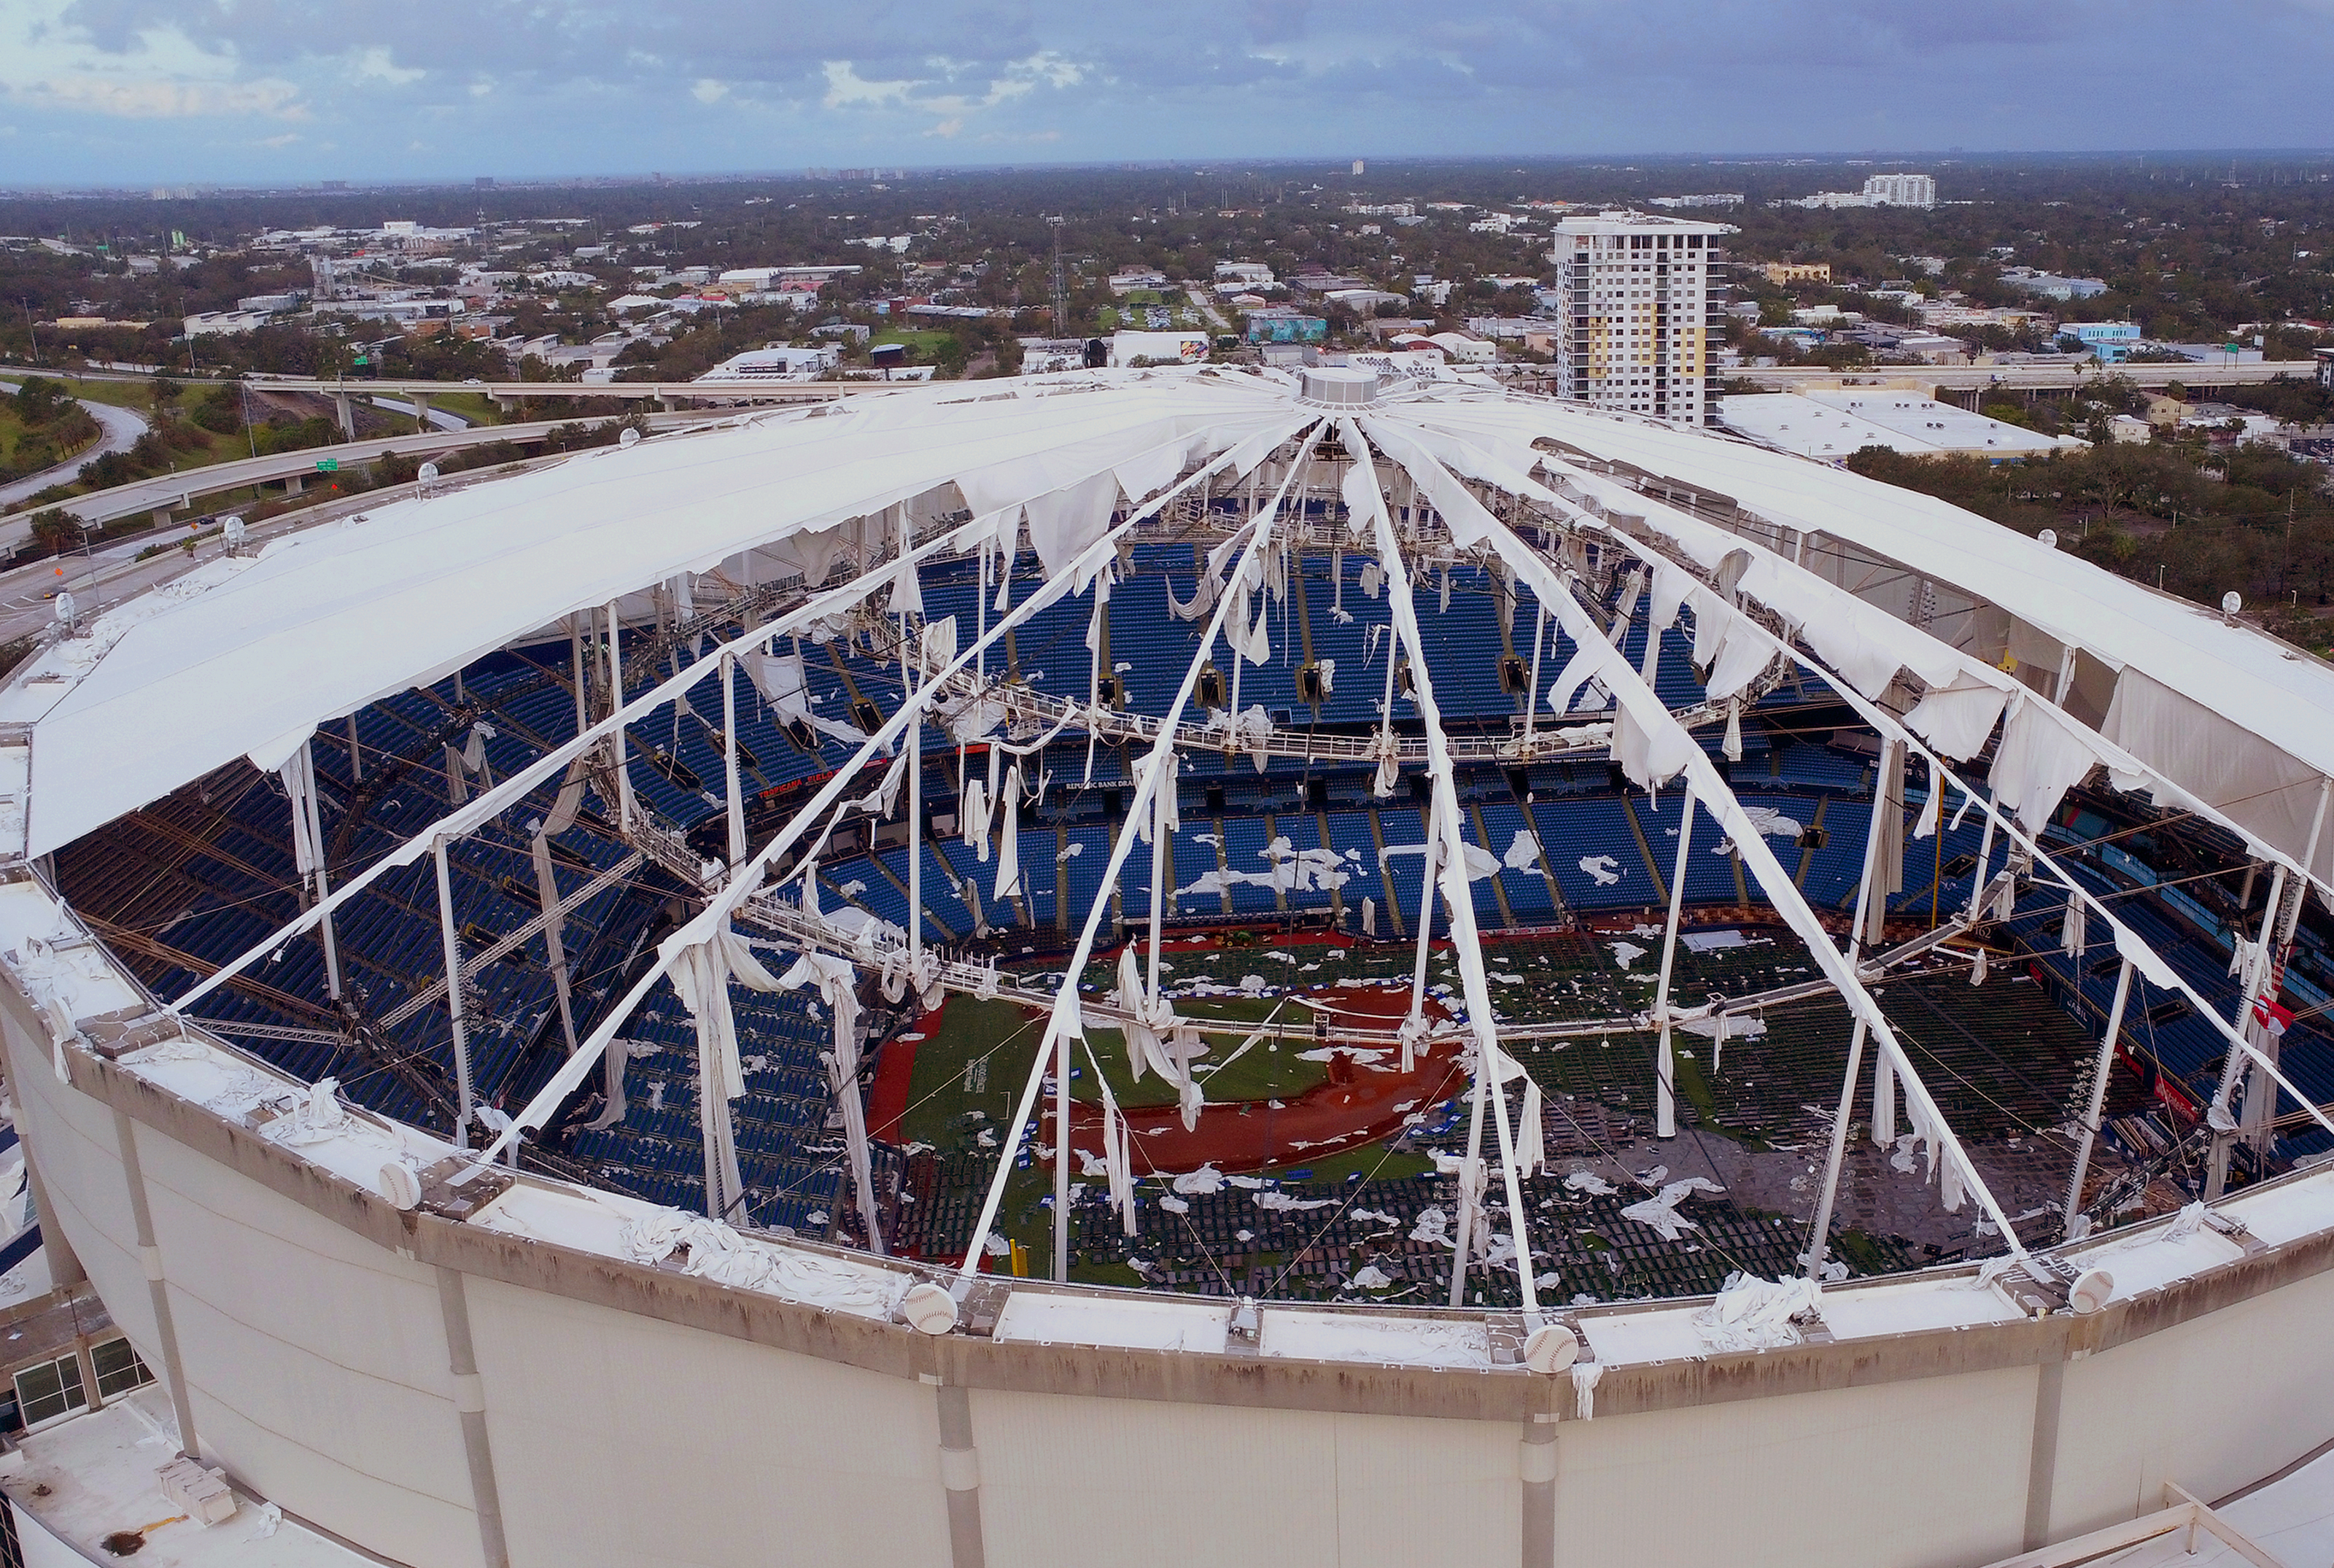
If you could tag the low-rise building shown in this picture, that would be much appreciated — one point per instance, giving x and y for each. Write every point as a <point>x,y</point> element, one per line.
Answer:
<point>1932,349</point>
<point>2051,285</point>
<point>1830,426</point>
<point>2112,342</point>
<point>1284,325</point>
<point>780,277</point>
<point>1782,274</point>
<point>776,362</point>
<point>1463,349</point>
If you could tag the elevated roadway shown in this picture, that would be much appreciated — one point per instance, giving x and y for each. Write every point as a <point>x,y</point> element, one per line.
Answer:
<point>108,573</point>
<point>2026,378</point>
<point>164,494</point>
<point>507,394</point>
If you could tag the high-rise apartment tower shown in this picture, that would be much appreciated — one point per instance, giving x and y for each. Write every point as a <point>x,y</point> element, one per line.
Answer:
<point>1639,299</point>
<point>1901,190</point>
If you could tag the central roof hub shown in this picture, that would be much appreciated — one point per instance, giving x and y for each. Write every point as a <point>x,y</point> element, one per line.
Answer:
<point>1337,385</point>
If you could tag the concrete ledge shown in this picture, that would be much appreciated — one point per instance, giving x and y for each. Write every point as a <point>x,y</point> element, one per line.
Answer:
<point>1181,1377</point>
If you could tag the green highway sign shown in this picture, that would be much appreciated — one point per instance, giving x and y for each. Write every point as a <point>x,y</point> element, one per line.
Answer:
<point>328,464</point>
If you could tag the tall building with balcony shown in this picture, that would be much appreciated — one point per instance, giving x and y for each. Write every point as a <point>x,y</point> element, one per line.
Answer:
<point>1901,190</point>
<point>1639,298</point>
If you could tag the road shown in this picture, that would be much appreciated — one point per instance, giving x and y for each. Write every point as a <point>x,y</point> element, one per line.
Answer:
<point>438,418</point>
<point>2023,378</point>
<point>505,391</point>
<point>121,429</point>
<point>179,491</point>
<point>113,573</point>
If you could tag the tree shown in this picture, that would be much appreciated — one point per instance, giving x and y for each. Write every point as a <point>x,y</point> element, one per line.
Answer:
<point>41,399</point>
<point>57,530</point>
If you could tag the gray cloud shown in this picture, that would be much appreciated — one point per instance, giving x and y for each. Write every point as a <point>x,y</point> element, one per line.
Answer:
<point>543,86</point>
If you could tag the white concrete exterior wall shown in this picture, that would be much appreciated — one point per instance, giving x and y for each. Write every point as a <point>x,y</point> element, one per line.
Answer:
<point>309,1323</point>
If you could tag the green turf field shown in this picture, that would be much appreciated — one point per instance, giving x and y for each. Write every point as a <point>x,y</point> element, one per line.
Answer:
<point>2001,1069</point>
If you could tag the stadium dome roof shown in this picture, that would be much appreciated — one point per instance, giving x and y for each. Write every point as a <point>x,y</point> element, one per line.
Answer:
<point>324,621</point>
<point>1939,628</point>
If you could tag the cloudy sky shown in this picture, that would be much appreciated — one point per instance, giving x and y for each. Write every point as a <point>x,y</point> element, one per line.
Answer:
<point>139,90</point>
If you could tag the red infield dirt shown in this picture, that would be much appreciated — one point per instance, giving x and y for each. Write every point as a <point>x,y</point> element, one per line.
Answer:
<point>887,1097</point>
<point>1359,1104</point>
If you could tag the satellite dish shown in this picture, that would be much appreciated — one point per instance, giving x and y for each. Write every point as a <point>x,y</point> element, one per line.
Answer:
<point>1551,1348</point>
<point>400,1186</point>
<point>928,1309</point>
<point>429,474</point>
<point>2231,601</point>
<point>2092,1288</point>
<point>2047,539</point>
<point>630,437</point>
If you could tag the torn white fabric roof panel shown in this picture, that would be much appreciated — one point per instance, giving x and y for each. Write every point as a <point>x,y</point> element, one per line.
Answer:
<point>337,617</point>
<point>2258,691</point>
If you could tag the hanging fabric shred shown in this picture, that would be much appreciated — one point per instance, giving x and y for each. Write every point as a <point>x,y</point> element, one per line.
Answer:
<point>1008,844</point>
<point>474,752</point>
<point>1575,674</point>
<point>2070,935</point>
<point>1116,1172</point>
<point>1388,752</point>
<point>701,974</point>
<point>974,828</point>
<point>1157,1040</point>
<point>907,592</point>
<point>1531,1138</point>
<point>1202,600</point>
<point>837,982</point>
<point>1933,807</point>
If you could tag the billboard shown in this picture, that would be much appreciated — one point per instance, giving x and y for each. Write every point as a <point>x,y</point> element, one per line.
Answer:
<point>1159,348</point>
<point>1286,329</point>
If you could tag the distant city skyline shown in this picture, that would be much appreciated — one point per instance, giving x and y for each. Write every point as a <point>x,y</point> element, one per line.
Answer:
<point>132,92</point>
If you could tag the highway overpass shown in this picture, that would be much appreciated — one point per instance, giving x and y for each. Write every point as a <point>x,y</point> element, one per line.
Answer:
<point>2026,378</point>
<point>506,394</point>
<point>165,493</point>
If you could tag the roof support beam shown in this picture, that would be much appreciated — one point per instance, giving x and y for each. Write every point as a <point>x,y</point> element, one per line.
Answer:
<point>2127,941</point>
<point>1367,502</point>
<point>1669,745</point>
<point>1065,1021</point>
<point>714,918</point>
